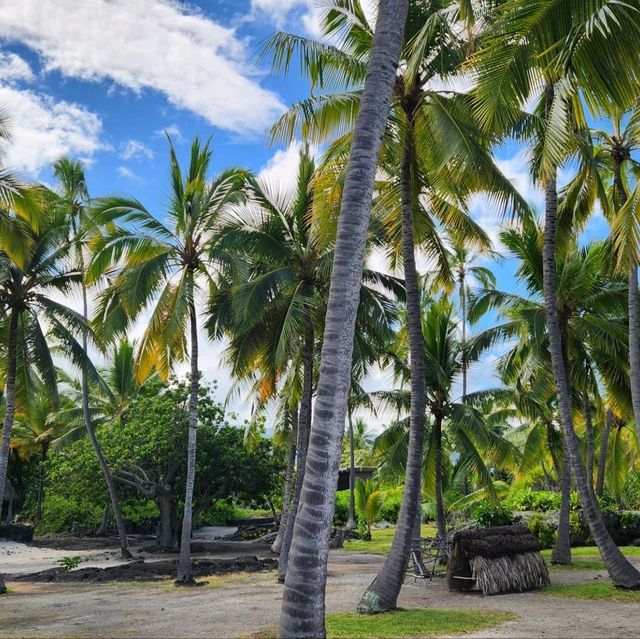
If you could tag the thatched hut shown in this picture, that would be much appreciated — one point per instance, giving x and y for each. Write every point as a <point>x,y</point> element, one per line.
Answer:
<point>494,560</point>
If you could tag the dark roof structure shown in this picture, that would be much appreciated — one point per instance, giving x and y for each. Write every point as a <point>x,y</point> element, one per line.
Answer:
<point>495,560</point>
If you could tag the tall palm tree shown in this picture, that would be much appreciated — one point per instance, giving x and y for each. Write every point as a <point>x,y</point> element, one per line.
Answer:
<point>430,135</point>
<point>73,199</point>
<point>560,48</point>
<point>165,267</point>
<point>35,429</point>
<point>27,301</point>
<point>303,599</point>
<point>278,301</point>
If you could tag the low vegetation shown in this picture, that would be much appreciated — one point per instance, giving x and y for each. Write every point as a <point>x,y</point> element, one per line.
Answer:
<point>603,590</point>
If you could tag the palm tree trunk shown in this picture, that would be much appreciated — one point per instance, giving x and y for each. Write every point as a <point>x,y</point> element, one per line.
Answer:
<point>441,518</point>
<point>286,497</point>
<point>304,428</point>
<point>9,400</point>
<point>351,521</point>
<point>602,458</point>
<point>184,564</point>
<point>588,425</point>
<point>561,553</point>
<point>303,601</point>
<point>382,594</point>
<point>622,573</point>
<point>86,414</point>
<point>633,303</point>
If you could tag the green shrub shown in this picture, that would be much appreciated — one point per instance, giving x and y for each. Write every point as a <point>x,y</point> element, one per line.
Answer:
<point>487,514</point>
<point>536,500</point>
<point>219,513</point>
<point>139,510</point>
<point>69,514</point>
<point>631,491</point>
<point>341,514</point>
<point>392,500</point>
<point>544,530</point>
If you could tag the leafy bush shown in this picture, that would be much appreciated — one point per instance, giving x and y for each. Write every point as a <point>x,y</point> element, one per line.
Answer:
<point>631,491</point>
<point>544,529</point>
<point>392,500</point>
<point>487,514</point>
<point>341,514</point>
<point>69,514</point>
<point>536,500</point>
<point>219,513</point>
<point>69,563</point>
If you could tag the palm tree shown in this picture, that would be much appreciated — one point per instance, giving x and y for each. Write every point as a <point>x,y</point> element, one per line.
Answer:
<point>368,502</point>
<point>278,299</point>
<point>27,300</point>
<point>303,599</point>
<point>165,268</point>
<point>73,200</point>
<point>430,135</point>
<point>561,48</point>
<point>35,430</point>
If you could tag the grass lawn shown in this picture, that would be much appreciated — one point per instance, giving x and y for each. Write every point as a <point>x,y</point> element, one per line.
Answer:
<point>604,590</point>
<point>588,557</point>
<point>416,622</point>
<point>380,543</point>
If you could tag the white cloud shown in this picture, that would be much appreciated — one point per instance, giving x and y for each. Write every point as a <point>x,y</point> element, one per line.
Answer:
<point>44,129</point>
<point>173,131</point>
<point>281,171</point>
<point>131,149</point>
<point>124,172</point>
<point>147,44</point>
<point>278,11</point>
<point>13,68</point>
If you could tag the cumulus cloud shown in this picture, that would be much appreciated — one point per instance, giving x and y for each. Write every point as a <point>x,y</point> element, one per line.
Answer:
<point>173,131</point>
<point>134,149</point>
<point>147,44</point>
<point>281,170</point>
<point>13,68</point>
<point>44,129</point>
<point>124,172</point>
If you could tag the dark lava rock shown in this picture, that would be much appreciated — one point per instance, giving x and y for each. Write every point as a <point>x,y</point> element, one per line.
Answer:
<point>149,571</point>
<point>17,532</point>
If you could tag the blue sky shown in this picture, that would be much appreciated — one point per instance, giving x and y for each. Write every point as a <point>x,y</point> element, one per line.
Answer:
<point>102,79</point>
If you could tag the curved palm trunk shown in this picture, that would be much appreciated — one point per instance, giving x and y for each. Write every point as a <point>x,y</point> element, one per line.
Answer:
<point>184,564</point>
<point>104,524</point>
<point>10,400</point>
<point>561,553</point>
<point>86,415</point>
<point>383,592</point>
<point>588,425</point>
<point>602,458</point>
<point>622,573</point>
<point>303,602</point>
<point>633,303</point>
<point>286,497</point>
<point>351,521</point>
<point>304,427</point>
<point>463,309</point>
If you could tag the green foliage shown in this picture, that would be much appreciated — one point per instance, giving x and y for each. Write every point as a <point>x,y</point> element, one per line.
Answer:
<point>368,498</point>
<point>544,530</point>
<point>487,514</point>
<point>391,502</point>
<point>341,513</point>
<point>69,514</point>
<point>605,590</point>
<point>631,491</point>
<point>220,513</point>
<point>536,500</point>
<point>69,563</point>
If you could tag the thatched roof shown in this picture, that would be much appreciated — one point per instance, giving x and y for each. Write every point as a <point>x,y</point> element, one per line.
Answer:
<point>500,559</point>
<point>492,543</point>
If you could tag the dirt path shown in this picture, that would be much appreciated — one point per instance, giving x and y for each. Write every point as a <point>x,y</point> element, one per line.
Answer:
<point>238,605</point>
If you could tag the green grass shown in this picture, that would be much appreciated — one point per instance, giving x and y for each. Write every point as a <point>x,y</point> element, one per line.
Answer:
<point>380,543</point>
<point>604,590</point>
<point>588,557</point>
<point>416,622</point>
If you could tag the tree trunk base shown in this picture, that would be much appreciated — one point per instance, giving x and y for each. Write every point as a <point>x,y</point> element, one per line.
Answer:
<point>125,553</point>
<point>189,582</point>
<point>371,602</point>
<point>3,587</point>
<point>561,556</point>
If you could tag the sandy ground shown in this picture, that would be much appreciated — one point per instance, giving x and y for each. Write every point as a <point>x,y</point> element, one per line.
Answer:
<point>238,605</point>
